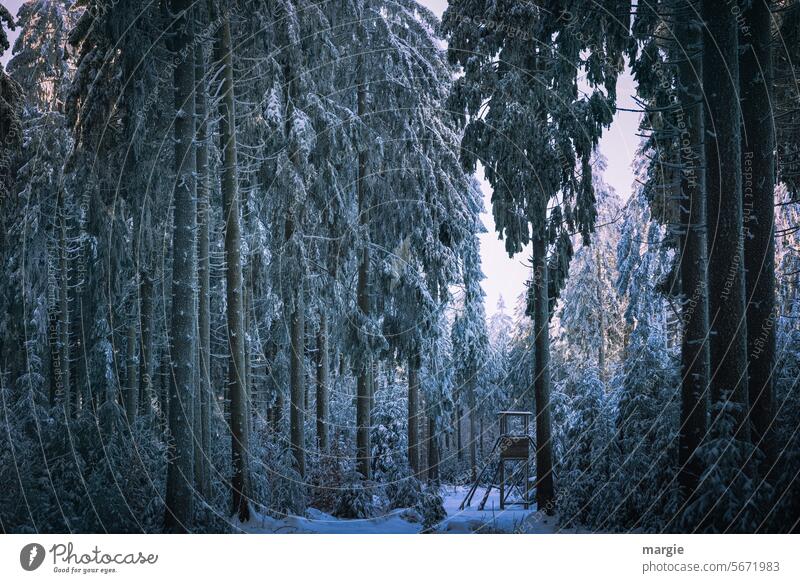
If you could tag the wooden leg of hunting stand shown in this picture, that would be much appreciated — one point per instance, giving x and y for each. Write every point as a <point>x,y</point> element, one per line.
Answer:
<point>502,484</point>
<point>489,489</point>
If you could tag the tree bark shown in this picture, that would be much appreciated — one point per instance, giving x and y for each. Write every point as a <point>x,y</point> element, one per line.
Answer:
<point>297,416</point>
<point>694,260</point>
<point>323,379</point>
<point>237,389</point>
<point>726,289</point>
<point>248,363</point>
<point>362,384</point>
<point>758,175</point>
<point>480,437</point>
<point>179,496</point>
<point>413,414</point>
<point>433,451</point>
<point>473,427</point>
<point>458,418</point>
<point>203,268</point>
<point>146,348</point>
<point>165,380</point>
<point>545,496</point>
<point>277,410</point>
<point>132,382</point>
<point>63,263</point>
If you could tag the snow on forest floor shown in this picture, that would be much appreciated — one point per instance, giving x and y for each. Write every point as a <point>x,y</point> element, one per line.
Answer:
<point>512,519</point>
<point>406,521</point>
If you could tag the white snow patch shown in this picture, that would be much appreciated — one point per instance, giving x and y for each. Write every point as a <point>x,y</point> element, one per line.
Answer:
<point>395,522</point>
<point>512,519</point>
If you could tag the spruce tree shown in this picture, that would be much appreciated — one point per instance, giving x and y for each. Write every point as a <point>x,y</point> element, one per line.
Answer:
<point>234,289</point>
<point>182,388</point>
<point>758,191</point>
<point>534,135</point>
<point>725,221</point>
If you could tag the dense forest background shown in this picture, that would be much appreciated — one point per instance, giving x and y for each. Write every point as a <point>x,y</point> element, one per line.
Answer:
<point>241,274</point>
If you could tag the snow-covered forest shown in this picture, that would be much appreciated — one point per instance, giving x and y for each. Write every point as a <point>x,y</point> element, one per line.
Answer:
<point>242,280</point>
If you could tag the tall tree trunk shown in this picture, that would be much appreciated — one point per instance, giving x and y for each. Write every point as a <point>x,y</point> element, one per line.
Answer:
<point>545,496</point>
<point>179,497</point>
<point>203,270</point>
<point>413,414</point>
<point>248,363</point>
<point>323,378</point>
<point>64,323</point>
<point>423,439</point>
<point>146,347</point>
<point>694,260</point>
<point>199,454</point>
<point>268,388</point>
<point>433,450</point>
<point>308,379</point>
<point>458,418</point>
<point>297,412</point>
<point>132,382</point>
<point>277,412</point>
<point>758,135</point>
<point>473,427</point>
<point>480,437</point>
<point>237,389</point>
<point>165,380</point>
<point>601,349</point>
<point>726,290</point>
<point>362,291</point>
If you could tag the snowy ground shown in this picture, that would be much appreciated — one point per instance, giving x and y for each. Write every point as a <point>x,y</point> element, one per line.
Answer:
<point>512,519</point>
<point>405,521</point>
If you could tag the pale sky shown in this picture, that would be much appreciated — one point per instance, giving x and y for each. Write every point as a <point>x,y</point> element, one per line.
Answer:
<point>506,276</point>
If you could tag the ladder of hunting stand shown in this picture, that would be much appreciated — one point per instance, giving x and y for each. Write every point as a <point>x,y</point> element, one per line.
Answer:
<point>511,451</point>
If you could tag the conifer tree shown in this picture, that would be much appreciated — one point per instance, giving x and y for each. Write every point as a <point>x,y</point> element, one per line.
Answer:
<point>183,356</point>
<point>668,69</point>
<point>758,191</point>
<point>237,387</point>
<point>725,221</point>
<point>535,135</point>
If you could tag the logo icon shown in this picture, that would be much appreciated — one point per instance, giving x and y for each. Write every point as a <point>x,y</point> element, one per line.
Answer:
<point>31,556</point>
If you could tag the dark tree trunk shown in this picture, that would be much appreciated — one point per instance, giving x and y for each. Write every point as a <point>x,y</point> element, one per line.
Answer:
<point>146,347</point>
<point>237,389</point>
<point>433,451</point>
<point>473,427</point>
<point>458,418</point>
<point>64,315</point>
<point>277,410</point>
<point>480,438</point>
<point>180,490</point>
<point>541,377</point>
<point>323,379</point>
<point>758,176</point>
<point>297,411</point>
<point>165,381</point>
<point>726,290</point>
<point>413,414</point>
<point>248,363</point>
<point>362,383</point>
<point>203,269</point>
<point>694,261</point>
<point>132,380</point>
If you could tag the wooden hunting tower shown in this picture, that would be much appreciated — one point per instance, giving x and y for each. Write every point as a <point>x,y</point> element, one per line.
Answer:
<point>510,460</point>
